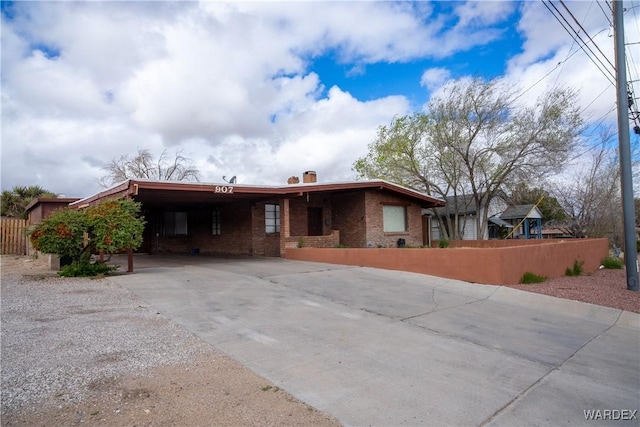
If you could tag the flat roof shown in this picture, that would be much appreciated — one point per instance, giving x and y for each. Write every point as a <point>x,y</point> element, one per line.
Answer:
<point>149,191</point>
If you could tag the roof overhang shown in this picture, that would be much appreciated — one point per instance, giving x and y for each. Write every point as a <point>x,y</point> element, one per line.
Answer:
<point>44,200</point>
<point>166,193</point>
<point>500,222</point>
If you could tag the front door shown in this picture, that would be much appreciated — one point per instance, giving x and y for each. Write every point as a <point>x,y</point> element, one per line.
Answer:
<point>314,220</point>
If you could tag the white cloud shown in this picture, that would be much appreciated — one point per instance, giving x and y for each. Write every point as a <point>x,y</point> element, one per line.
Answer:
<point>433,78</point>
<point>229,83</point>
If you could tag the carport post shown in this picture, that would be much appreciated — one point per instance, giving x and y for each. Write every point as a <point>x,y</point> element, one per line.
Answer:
<point>129,260</point>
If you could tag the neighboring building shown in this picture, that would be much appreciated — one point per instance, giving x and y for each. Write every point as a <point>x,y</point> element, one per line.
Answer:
<point>465,207</point>
<point>41,207</point>
<point>527,220</point>
<point>264,220</point>
<point>556,233</point>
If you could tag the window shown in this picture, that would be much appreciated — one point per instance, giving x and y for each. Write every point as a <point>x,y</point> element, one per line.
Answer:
<point>215,222</point>
<point>394,219</point>
<point>175,223</point>
<point>272,218</point>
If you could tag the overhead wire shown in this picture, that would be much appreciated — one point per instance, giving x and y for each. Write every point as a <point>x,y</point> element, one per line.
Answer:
<point>561,63</point>
<point>583,45</point>
<point>606,15</point>
<point>586,33</point>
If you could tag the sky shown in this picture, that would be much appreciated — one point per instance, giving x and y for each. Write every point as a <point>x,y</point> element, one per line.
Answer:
<point>266,90</point>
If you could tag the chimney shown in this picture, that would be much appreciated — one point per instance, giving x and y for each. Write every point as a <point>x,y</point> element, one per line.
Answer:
<point>309,177</point>
<point>293,180</point>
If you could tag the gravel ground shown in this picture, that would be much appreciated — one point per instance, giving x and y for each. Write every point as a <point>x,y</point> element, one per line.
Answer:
<point>603,287</point>
<point>82,351</point>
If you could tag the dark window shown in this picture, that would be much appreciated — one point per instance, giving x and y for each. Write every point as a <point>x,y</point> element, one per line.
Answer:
<point>175,223</point>
<point>215,221</point>
<point>272,218</point>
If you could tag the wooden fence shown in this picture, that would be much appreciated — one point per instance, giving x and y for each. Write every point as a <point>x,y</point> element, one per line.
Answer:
<point>14,237</point>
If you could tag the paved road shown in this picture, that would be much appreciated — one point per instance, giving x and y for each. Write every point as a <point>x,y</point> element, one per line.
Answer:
<point>377,347</point>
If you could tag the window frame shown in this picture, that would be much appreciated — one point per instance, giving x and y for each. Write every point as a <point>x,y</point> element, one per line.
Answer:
<point>387,222</point>
<point>272,218</point>
<point>216,223</point>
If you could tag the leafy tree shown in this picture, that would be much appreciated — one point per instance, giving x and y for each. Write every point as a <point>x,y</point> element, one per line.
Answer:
<point>62,233</point>
<point>475,140</point>
<point>143,165</point>
<point>522,194</point>
<point>15,201</point>
<point>115,225</point>
<point>110,227</point>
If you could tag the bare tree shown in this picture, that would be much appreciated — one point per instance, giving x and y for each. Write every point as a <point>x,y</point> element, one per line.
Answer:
<point>592,198</point>
<point>475,140</point>
<point>143,165</point>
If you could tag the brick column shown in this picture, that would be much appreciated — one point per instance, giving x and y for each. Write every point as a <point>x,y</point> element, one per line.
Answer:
<point>284,225</point>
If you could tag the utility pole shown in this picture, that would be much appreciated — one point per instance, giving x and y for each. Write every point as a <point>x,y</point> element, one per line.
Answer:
<point>630,249</point>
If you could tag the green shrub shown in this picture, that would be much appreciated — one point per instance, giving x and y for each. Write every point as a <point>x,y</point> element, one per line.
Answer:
<point>576,270</point>
<point>86,270</point>
<point>612,263</point>
<point>529,278</point>
<point>341,246</point>
<point>443,243</point>
<point>301,242</point>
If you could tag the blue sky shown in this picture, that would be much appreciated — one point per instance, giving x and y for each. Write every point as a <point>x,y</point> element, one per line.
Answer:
<point>262,90</point>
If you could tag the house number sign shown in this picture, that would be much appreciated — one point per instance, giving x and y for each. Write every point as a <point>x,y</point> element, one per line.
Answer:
<point>223,189</point>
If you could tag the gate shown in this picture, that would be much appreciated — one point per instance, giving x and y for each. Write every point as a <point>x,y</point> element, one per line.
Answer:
<point>14,237</point>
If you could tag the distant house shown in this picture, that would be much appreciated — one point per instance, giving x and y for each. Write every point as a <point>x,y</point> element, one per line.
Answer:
<point>231,218</point>
<point>556,233</point>
<point>464,207</point>
<point>526,219</point>
<point>41,208</point>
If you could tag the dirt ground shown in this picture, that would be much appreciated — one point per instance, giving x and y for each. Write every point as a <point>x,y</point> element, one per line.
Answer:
<point>213,389</point>
<point>207,389</point>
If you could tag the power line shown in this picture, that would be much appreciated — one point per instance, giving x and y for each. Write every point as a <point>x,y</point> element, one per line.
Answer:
<point>573,34</point>
<point>586,33</point>
<point>606,15</point>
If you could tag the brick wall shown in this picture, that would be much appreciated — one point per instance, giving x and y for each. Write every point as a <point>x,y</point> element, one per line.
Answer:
<point>235,236</point>
<point>330,241</point>
<point>298,209</point>
<point>264,244</point>
<point>348,216</point>
<point>356,218</point>
<point>375,234</point>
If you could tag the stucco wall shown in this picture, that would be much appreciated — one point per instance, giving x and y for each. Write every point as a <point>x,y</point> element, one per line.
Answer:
<point>489,265</point>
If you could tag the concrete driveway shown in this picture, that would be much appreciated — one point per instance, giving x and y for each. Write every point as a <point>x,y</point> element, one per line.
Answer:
<point>378,347</point>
